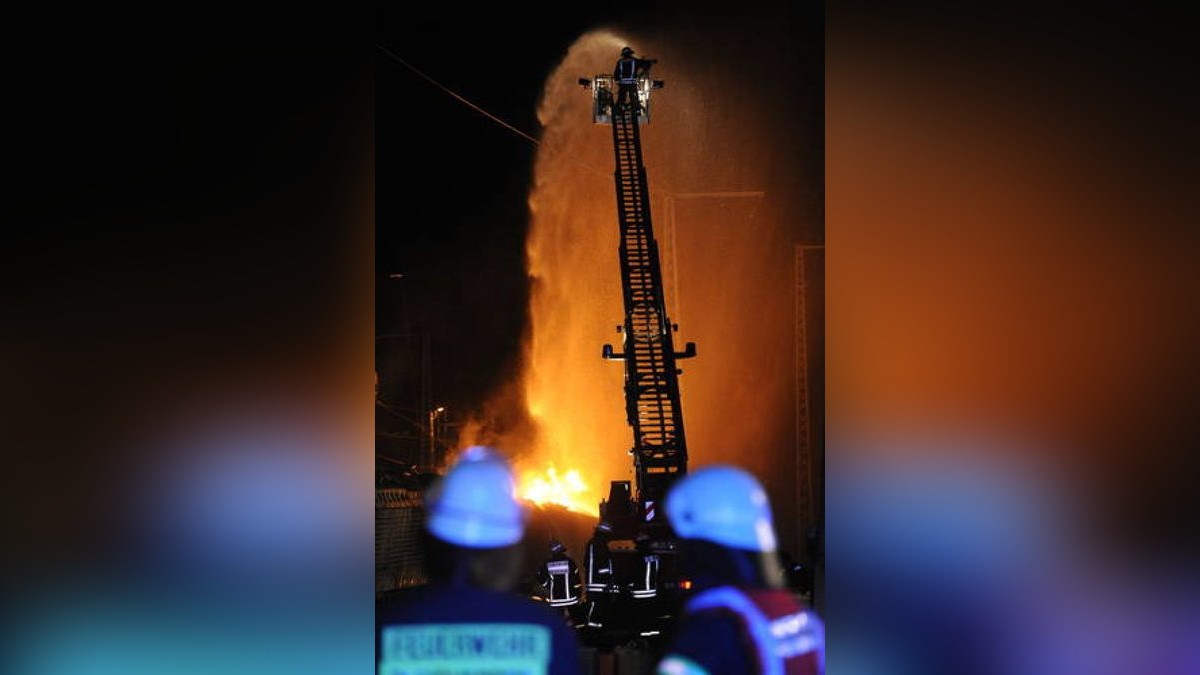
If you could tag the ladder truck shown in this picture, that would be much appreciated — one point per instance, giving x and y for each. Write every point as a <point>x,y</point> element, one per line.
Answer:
<point>652,401</point>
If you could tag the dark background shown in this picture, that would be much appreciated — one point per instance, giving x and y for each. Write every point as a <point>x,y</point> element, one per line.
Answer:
<point>187,222</point>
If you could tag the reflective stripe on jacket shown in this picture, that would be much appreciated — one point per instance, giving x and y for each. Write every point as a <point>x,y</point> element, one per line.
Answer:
<point>788,639</point>
<point>626,71</point>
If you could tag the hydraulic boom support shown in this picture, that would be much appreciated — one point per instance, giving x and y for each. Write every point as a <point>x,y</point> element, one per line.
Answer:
<point>651,375</point>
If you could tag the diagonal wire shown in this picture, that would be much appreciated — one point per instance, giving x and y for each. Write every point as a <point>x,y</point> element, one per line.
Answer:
<point>392,55</point>
<point>446,89</point>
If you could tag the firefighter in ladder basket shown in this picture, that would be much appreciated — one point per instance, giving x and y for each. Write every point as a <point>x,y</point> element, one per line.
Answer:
<point>626,73</point>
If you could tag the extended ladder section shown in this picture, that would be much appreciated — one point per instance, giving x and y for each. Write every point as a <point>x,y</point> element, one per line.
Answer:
<point>651,376</point>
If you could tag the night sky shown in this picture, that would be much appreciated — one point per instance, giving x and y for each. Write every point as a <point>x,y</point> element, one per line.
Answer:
<point>452,185</point>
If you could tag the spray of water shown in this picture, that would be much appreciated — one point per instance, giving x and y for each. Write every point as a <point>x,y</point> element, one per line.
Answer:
<point>727,267</point>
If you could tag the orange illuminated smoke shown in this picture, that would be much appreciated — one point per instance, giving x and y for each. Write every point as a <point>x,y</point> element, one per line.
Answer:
<point>726,240</point>
<point>549,487</point>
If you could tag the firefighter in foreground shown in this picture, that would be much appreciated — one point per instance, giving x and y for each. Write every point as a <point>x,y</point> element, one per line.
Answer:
<point>466,620</point>
<point>646,587</point>
<point>741,619</point>
<point>559,578</point>
<point>598,565</point>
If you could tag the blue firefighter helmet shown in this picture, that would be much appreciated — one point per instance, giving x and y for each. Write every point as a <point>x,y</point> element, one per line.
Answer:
<point>474,505</point>
<point>722,504</point>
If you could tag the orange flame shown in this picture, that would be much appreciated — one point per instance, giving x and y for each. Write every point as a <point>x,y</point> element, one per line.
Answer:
<point>548,487</point>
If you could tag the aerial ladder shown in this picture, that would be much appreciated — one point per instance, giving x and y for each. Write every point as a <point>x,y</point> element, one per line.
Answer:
<point>652,400</point>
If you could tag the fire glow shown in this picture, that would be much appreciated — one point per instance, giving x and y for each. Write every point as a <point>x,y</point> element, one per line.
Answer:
<point>728,259</point>
<point>565,406</point>
<point>573,397</point>
<point>549,487</point>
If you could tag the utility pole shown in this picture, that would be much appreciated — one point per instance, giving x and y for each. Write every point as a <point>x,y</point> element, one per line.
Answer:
<point>433,416</point>
<point>809,454</point>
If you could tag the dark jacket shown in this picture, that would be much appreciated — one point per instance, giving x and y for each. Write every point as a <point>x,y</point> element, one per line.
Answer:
<point>628,68</point>
<point>598,564</point>
<point>560,577</point>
